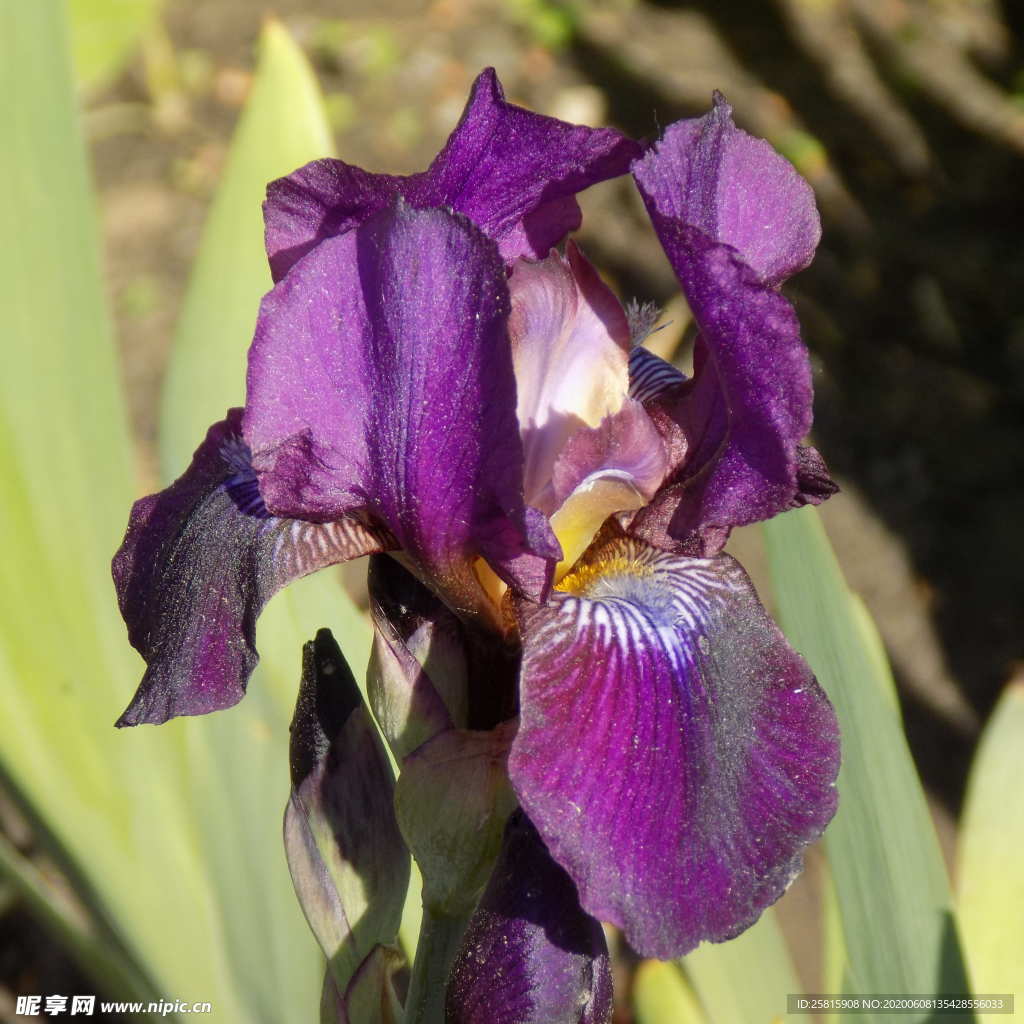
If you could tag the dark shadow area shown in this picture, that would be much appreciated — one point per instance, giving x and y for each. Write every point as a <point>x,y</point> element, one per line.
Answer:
<point>918,325</point>
<point>31,964</point>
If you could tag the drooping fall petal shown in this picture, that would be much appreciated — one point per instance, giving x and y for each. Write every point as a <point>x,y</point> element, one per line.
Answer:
<point>675,754</point>
<point>530,954</point>
<point>199,562</point>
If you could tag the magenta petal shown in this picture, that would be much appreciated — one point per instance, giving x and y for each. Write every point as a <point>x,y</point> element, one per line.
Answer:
<point>735,220</point>
<point>674,752</point>
<point>198,563</point>
<point>380,380</point>
<point>513,172</point>
<point>530,954</point>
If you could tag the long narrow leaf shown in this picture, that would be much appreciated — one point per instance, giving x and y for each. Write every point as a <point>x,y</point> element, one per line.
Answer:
<point>109,800</point>
<point>893,892</point>
<point>104,34</point>
<point>991,889</point>
<point>661,995</point>
<point>747,978</point>
<point>283,126</point>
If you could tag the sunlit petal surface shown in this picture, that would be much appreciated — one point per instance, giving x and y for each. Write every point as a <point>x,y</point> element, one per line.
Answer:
<point>513,172</point>
<point>674,752</point>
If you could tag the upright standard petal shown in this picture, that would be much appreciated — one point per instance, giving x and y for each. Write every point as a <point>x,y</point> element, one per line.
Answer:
<point>530,954</point>
<point>735,189</point>
<point>735,220</point>
<point>570,351</point>
<point>381,382</point>
<point>197,565</point>
<point>590,450</point>
<point>674,752</point>
<point>513,172</point>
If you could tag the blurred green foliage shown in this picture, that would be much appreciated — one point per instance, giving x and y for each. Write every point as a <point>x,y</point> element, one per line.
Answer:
<point>104,34</point>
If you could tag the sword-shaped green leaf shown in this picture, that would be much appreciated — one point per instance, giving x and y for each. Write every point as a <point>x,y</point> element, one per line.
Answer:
<point>991,865</point>
<point>111,804</point>
<point>893,892</point>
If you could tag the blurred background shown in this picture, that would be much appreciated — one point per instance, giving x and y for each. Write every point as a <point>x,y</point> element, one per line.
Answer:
<point>907,116</point>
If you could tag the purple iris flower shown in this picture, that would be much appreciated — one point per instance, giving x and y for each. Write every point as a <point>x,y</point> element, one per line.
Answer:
<point>431,377</point>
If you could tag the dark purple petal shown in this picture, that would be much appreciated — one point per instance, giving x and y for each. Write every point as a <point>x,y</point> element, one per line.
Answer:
<point>199,562</point>
<point>735,219</point>
<point>734,189</point>
<point>743,414</point>
<point>530,954</point>
<point>381,382</point>
<point>674,752</point>
<point>814,482</point>
<point>513,172</point>
<point>347,860</point>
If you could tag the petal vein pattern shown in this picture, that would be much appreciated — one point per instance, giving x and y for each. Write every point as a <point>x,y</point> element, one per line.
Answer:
<point>650,376</point>
<point>674,753</point>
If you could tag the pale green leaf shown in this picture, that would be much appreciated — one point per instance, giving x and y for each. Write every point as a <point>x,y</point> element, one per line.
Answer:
<point>991,875</point>
<point>282,127</point>
<point>662,995</point>
<point>112,802</point>
<point>747,978</point>
<point>891,884</point>
<point>71,926</point>
<point>104,34</point>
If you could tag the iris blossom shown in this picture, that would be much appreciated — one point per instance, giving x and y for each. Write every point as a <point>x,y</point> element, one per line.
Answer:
<point>434,375</point>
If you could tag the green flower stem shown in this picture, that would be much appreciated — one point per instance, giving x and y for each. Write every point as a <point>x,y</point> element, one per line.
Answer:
<point>438,943</point>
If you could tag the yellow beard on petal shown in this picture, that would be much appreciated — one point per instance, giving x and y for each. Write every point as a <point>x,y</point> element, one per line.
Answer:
<point>580,581</point>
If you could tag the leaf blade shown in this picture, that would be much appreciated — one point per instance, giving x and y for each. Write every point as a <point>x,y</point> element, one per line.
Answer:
<point>893,892</point>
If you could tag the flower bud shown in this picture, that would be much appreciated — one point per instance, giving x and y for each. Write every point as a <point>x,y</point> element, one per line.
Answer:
<point>348,863</point>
